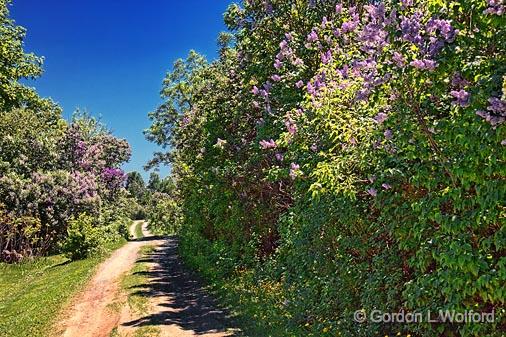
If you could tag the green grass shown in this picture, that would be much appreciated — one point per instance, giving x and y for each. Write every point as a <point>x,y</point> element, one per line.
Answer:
<point>133,282</point>
<point>32,294</point>
<point>138,230</point>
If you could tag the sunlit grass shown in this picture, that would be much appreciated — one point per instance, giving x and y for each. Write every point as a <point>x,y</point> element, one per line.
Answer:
<point>33,293</point>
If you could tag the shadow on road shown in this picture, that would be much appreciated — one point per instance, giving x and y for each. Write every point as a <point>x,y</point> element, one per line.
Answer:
<point>184,301</point>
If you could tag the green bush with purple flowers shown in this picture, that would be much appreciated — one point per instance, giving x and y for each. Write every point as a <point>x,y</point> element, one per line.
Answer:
<point>51,170</point>
<point>346,156</point>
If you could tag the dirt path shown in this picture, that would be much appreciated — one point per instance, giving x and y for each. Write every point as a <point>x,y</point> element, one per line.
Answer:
<point>179,307</point>
<point>89,314</point>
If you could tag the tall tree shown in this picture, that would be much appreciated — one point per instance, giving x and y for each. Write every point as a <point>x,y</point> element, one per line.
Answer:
<point>16,65</point>
<point>136,186</point>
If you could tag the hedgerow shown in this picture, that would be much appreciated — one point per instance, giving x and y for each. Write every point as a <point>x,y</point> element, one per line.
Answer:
<point>350,154</point>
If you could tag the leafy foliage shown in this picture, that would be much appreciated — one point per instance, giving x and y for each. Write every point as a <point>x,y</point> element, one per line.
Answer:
<point>51,170</point>
<point>350,156</point>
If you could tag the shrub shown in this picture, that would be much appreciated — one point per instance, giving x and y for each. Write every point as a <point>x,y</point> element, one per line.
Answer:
<point>350,154</point>
<point>163,214</point>
<point>83,238</point>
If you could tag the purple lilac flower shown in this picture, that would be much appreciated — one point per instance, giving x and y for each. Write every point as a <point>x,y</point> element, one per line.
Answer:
<point>326,57</point>
<point>444,27</point>
<point>268,144</point>
<point>291,126</point>
<point>314,148</point>
<point>339,8</point>
<point>458,81</point>
<point>325,21</point>
<point>312,37</point>
<point>311,89</point>
<point>496,113</point>
<point>461,97</point>
<point>299,84</point>
<point>268,7</point>
<point>399,59</point>
<point>497,105</point>
<point>298,62</point>
<point>294,169</point>
<point>496,7</point>
<point>279,156</point>
<point>276,78</point>
<point>277,64</point>
<point>255,90</point>
<point>424,64</point>
<point>350,26</point>
<point>406,3</point>
<point>113,177</point>
<point>380,117</point>
<point>388,134</point>
<point>386,186</point>
<point>372,191</point>
<point>411,27</point>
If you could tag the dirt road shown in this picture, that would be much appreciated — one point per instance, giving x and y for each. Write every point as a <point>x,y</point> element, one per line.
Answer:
<point>179,306</point>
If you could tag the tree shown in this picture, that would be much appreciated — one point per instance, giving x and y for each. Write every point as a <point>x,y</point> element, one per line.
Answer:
<point>154,182</point>
<point>136,186</point>
<point>16,65</point>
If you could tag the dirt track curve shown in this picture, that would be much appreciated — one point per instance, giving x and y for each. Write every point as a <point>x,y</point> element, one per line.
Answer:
<point>179,306</point>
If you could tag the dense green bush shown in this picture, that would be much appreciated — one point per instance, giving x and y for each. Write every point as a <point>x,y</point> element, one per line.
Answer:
<point>163,214</point>
<point>83,238</point>
<point>51,170</point>
<point>346,156</point>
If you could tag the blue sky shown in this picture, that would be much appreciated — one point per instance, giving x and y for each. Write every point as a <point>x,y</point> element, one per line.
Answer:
<point>109,56</point>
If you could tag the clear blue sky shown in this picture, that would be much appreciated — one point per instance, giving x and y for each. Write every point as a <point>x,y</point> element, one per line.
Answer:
<point>110,56</point>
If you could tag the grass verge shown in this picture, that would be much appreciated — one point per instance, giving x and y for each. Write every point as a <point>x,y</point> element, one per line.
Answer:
<point>133,285</point>
<point>33,293</point>
<point>138,230</point>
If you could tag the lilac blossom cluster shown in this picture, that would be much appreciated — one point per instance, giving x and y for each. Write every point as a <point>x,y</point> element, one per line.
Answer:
<point>496,111</point>
<point>495,7</point>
